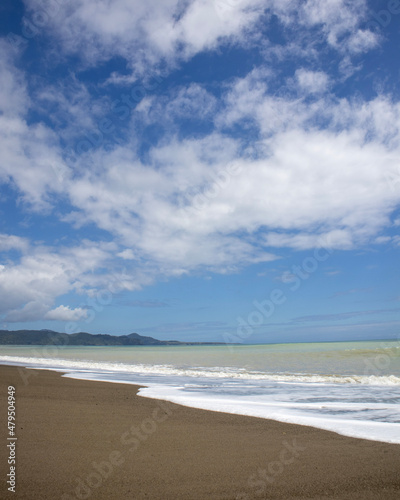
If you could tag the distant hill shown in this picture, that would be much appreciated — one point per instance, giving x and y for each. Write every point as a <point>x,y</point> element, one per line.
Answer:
<point>49,337</point>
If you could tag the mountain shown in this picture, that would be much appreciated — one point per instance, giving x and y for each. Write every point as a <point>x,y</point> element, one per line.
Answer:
<point>49,337</point>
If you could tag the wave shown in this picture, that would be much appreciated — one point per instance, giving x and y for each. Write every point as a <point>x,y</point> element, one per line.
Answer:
<point>199,372</point>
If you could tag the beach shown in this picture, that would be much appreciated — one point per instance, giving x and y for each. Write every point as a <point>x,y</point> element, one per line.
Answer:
<point>99,440</point>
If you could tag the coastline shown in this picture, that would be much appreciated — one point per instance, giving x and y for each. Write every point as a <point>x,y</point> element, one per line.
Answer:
<point>91,439</point>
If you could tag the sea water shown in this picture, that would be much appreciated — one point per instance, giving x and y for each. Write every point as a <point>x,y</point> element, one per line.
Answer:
<point>352,388</point>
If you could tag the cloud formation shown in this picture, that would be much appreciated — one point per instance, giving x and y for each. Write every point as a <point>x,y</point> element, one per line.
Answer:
<point>65,313</point>
<point>146,34</point>
<point>200,175</point>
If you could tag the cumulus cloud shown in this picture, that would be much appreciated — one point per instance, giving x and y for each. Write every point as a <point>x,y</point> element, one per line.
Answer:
<point>65,313</point>
<point>11,242</point>
<point>362,41</point>
<point>146,33</point>
<point>31,156</point>
<point>185,209</point>
<point>127,254</point>
<point>192,101</point>
<point>29,287</point>
<point>339,19</point>
<point>153,33</point>
<point>312,81</point>
<point>13,94</point>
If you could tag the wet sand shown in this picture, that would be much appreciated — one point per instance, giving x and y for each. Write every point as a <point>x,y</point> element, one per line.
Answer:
<point>82,439</point>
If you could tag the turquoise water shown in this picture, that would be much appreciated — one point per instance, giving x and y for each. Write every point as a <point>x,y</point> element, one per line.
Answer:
<point>377,358</point>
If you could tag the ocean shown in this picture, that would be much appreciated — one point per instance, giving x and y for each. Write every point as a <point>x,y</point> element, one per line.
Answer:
<point>352,388</point>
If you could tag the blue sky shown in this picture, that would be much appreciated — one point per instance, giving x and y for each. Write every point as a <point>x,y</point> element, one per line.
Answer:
<point>201,170</point>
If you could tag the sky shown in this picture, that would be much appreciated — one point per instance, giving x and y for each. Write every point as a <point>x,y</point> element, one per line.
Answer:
<point>201,170</point>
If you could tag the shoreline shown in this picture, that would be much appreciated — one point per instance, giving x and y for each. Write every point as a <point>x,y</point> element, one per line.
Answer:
<point>365,428</point>
<point>93,439</point>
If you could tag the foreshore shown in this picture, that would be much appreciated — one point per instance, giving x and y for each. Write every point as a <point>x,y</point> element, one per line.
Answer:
<point>78,439</point>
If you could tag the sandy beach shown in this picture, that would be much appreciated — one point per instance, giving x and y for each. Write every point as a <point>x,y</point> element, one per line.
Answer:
<point>82,439</point>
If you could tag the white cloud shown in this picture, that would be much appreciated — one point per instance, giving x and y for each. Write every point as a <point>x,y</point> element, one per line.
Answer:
<point>31,311</point>
<point>36,281</point>
<point>339,18</point>
<point>298,185</point>
<point>188,103</point>
<point>337,239</point>
<point>11,242</point>
<point>13,95</point>
<point>192,101</point>
<point>69,107</point>
<point>32,159</point>
<point>182,212</point>
<point>147,32</point>
<point>314,29</point>
<point>65,313</point>
<point>382,240</point>
<point>248,99</point>
<point>313,82</point>
<point>245,96</point>
<point>153,35</point>
<point>30,154</point>
<point>362,41</point>
<point>29,287</point>
<point>127,254</point>
<point>297,178</point>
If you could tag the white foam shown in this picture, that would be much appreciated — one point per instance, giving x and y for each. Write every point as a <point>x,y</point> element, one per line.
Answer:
<point>280,411</point>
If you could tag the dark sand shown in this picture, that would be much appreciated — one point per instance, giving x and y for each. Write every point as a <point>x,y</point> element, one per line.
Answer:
<point>98,440</point>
